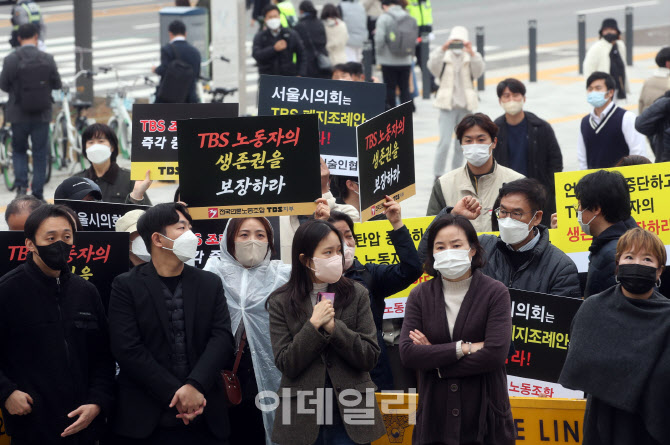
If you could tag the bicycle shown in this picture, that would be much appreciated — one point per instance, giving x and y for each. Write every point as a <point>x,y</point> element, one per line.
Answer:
<point>218,94</point>
<point>66,142</point>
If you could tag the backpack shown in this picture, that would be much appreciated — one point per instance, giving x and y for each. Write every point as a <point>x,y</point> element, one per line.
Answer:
<point>176,82</point>
<point>34,80</point>
<point>401,36</point>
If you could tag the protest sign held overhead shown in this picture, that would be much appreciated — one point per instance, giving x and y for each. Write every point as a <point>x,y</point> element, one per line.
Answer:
<point>386,159</point>
<point>99,216</point>
<point>95,256</point>
<point>340,107</point>
<point>541,334</point>
<point>250,166</point>
<point>154,139</point>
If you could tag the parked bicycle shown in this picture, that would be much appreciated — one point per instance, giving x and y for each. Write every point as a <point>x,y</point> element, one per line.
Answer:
<point>218,95</point>
<point>66,142</point>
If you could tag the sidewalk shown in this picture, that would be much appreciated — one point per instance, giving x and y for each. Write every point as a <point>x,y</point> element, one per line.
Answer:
<point>559,96</point>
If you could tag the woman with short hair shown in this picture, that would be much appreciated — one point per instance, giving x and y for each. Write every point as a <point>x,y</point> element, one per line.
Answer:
<point>619,351</point>
<point>456,334</point>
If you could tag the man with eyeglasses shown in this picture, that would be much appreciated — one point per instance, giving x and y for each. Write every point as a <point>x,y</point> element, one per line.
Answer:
<point>522,256</point>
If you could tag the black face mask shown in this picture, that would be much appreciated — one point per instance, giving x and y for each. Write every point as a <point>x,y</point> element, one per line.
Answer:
<point>610,37</point>
<point>636,278</point>
<point>55,255</point>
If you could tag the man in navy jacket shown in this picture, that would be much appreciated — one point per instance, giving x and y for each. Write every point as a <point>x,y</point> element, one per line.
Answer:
<point>179,48</point>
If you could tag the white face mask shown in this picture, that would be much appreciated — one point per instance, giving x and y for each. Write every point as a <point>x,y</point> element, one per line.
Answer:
<point>250,253</point>
<point>452,263</point>
<point>586,228</point>
<point>512,107</point>
<point>458,52</point>
<point>513,231</point>
<point>185,247</point>
<point>140,250</point>
<point>273,24</point>
<point>98,153</point>
<point>349,253</point>
<point>477,154</point>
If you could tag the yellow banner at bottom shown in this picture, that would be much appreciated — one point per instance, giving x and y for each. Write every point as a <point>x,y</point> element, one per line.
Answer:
<point>160,171</point>
<point>247,211</point>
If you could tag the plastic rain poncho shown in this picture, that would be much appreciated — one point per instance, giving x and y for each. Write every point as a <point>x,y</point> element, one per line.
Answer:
<point>246,293</point>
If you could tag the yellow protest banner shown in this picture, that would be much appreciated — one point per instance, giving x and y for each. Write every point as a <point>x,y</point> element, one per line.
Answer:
<point>649,187</point>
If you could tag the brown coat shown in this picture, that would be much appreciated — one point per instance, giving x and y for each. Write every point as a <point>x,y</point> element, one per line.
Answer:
<point>304,356</point>
<point>469,403</point>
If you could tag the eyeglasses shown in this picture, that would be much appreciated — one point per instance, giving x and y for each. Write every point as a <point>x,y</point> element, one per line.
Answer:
<point>502,213</point>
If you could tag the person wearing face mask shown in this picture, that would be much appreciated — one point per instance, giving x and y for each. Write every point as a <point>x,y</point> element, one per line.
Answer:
<point>606,55</point>
<point>101,148</point>
<point>603,212</point>
<point>526,143</point>
<point>619,353</point>
<point>138,251</point>
<point>455,65</point>
<point>170,334</point>
<point>481,176</point>
<point>608,133</point>
<point>249,276</point>
<point>323,345</point>
<point>56,369</point>
<point>381,280</point>
<point>456,334</point>
<point>278,51</point>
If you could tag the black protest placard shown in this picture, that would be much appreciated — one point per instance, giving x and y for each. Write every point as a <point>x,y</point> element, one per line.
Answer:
<point>541,334</point>
<point>154,139</point>
<point>210,235</point>
<point>95,256</point>
<point>340,106</point>
<point>249,166</point>
<point>386,159</point>
<point>99,216</point>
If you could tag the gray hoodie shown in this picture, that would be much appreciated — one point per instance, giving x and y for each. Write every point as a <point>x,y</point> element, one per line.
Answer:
<point>384,22</point>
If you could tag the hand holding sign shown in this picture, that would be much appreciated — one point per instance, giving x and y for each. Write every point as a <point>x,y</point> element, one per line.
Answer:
<point>322,209</point>
<point>393,213</point>
<point>141,187</point>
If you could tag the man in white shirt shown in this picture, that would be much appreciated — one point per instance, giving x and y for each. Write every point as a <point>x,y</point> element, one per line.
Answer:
<point>608,133</point>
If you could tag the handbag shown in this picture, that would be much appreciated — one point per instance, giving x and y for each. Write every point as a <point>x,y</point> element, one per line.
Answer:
<point>322,60</point>
<point>231,383</point>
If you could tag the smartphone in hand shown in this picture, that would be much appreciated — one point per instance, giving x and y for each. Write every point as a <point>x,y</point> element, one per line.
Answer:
<point>326,296</point>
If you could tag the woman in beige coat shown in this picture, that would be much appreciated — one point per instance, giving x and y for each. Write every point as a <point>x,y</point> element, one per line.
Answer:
<point>336,34</point>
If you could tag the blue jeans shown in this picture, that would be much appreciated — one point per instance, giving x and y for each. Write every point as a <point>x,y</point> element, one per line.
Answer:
<point>39,135</point>
<point>333,435</point>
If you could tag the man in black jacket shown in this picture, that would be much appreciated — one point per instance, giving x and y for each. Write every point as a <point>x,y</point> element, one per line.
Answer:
<point>603,212</point>
<point>56,370</point>
<point>654,122</point>
<point>278,51</point>
<point>29,75</point>
<point>313,35</point>
<point>526,143</point>
<point>179,48</point>
<point>170,333</point>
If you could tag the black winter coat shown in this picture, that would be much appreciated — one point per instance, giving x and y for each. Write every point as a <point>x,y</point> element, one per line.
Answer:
<point>54,346</point>
<point>313,35</point>
<point>654,122</point>
<point>187,53</point>
<point>544,156</point>
<point>601,275</point>
<point>280,63</point>
<point>384,280</point>
<point>548,270</point>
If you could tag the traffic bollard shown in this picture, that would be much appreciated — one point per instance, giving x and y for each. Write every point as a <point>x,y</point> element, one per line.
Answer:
<point>629,35</point>
<point>581,38</point>
<point>424,51</point>
<point>480,49</point>
<point>367,60</point>
<point>532,49</point>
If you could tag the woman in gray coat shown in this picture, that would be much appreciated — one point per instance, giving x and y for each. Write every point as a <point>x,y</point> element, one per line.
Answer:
<point>325,344</point>
<point>456,333</point>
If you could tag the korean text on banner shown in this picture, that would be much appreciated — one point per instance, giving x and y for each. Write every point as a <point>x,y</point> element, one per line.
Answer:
<point>97,216</point>
<point>154,139</point>
<point>249,166</point>
<point>649,187</point>
<point>340,107</point>
<point>386,159</point>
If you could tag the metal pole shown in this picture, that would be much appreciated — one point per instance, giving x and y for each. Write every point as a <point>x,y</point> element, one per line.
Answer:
<point>367,61</point>
<point>425,74</point>
<point>581,37</point>
<point>532,49</point>
<point>480,49</point>
<point>83,47</point>
<point>629,35</point>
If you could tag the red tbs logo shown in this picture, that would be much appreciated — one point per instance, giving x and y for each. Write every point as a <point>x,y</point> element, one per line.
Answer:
<point>213,213</point>
<point>373,210</point>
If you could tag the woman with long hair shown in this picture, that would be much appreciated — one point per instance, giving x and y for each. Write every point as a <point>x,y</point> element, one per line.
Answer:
<point>325,342</point>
